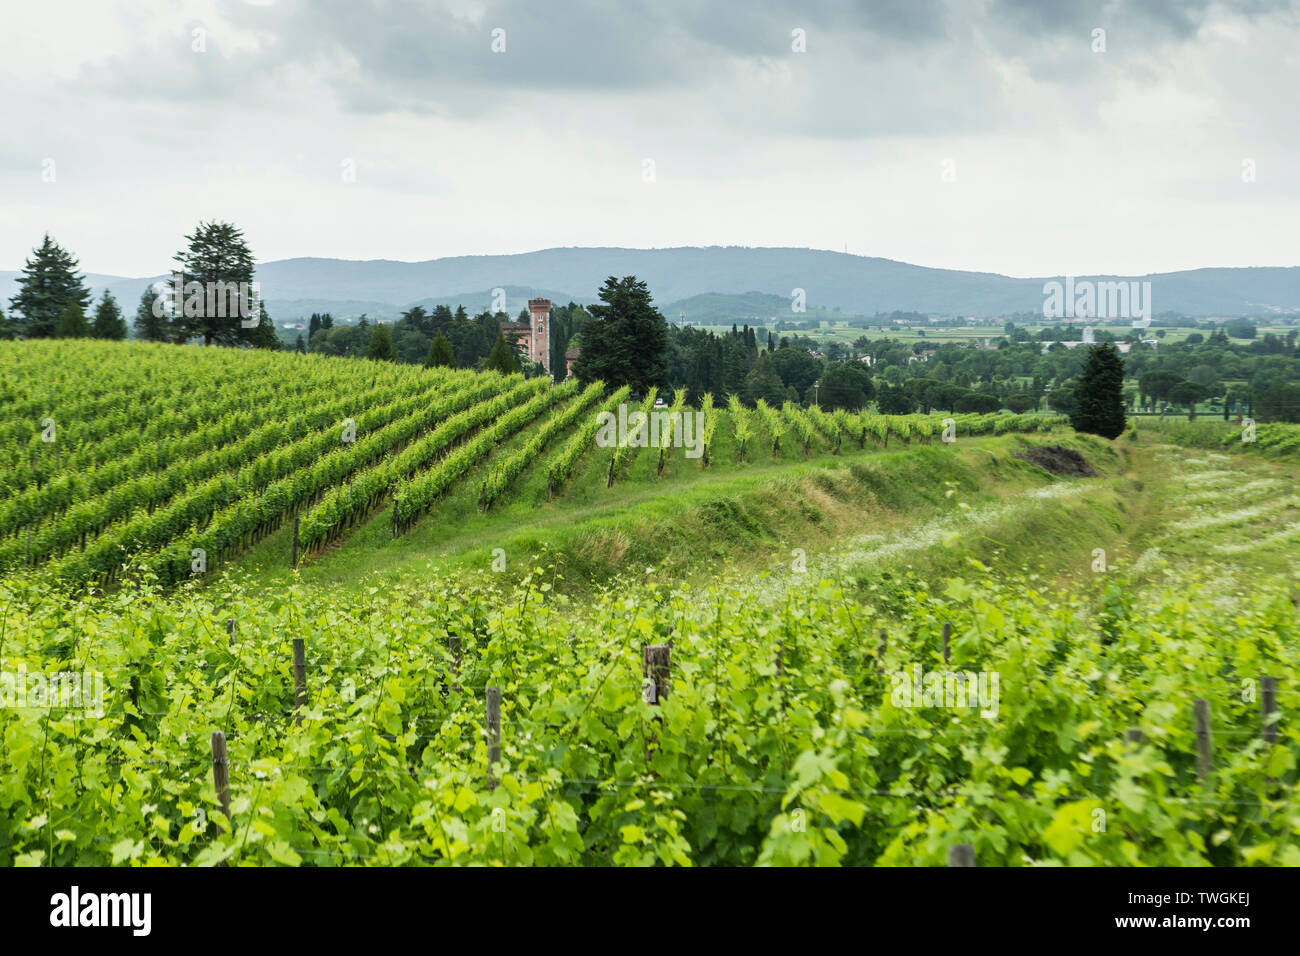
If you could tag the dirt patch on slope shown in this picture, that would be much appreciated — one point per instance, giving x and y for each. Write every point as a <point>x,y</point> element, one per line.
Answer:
<point>1059,460</point>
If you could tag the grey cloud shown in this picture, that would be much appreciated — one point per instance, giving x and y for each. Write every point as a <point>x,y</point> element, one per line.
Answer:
<point>896,67</point>
<point>1156,19</point>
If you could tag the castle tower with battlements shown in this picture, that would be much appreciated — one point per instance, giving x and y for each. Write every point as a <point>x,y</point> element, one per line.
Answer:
<point>539,315</point>
<point>533,338</point>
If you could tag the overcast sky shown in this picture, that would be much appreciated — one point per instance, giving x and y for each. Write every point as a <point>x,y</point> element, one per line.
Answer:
<point>971,134</point>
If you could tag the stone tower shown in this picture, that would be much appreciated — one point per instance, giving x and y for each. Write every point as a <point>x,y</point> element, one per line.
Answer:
<point>539,342</point>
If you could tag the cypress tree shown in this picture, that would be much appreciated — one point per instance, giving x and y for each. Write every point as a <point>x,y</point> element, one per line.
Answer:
<point>1099,394</point>
<point>503,358</point>
<point>108,323</point>
<point>381,345</point>
<point>148,326</point>
<point>440,353</point>
<point>264,336</point>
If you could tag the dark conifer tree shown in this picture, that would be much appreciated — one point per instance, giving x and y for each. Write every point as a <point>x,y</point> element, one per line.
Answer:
<point>1099,394</point>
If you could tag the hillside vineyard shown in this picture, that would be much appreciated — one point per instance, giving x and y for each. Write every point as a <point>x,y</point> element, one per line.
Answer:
<point>284,609</point>
<point>208,457</point>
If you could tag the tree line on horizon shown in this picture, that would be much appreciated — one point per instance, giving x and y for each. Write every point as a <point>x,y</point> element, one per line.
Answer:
<point>52,297</point>
<point>624,339</point>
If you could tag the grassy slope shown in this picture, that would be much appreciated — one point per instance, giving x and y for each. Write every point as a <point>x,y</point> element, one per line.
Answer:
<point>925,507</point>
<point>690,522</point>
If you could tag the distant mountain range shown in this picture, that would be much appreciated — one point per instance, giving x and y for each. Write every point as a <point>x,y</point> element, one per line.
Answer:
<point>715,282</point>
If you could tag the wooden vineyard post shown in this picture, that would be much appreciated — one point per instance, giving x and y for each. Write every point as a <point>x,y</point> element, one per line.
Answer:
<point>453,645</point>
<point>294,558</point>
<point>29,545</point>
<point>221,771</point>
<point>656,668</point>
<point>837,443</point>
<point>493,733</point>
<point>299,679</point>
<point>482,498</point>
<point>221,775</point>
<point>550,481</point>
<point>947,641</point>
<point>780,674</point>
<point>1204,739</point>
<point>880,655</point>
<point>610,483</point>
<point>656,665</point>
<point>1267,707</point>
<point>961,854</point>
<point>660,471</point>
<point>230,629</point>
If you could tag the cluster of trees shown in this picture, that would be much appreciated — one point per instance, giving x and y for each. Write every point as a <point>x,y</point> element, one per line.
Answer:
<point>52,300</point>
<point>627,341</point>
<point>216,253</point>
<point>52,297</point>
<point>1260,377</point>
<point>624,340</point>
<point>445,337</point>
<point>630,343</point>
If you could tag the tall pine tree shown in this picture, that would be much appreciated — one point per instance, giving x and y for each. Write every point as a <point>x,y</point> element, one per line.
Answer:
<point>151,325</point>
<point>48,284</point>
<point>1099,394</point>
<point>217,253</point>
<point>626,343</point>
<point>108,323</point>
